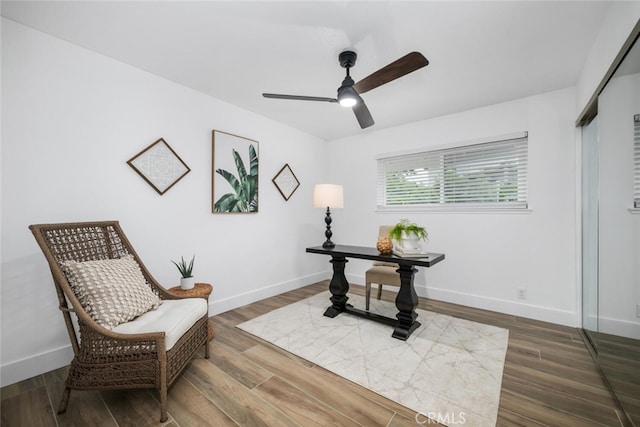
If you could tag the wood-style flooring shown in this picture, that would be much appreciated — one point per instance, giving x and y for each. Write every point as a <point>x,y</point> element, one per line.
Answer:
<point>549,380</point>
<point>620,361</point>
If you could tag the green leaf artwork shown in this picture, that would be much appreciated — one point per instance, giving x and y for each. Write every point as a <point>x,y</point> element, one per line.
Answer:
<point>242,183</point>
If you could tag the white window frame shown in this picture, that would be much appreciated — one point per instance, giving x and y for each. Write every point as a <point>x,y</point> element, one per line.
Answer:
<point>470,152</point>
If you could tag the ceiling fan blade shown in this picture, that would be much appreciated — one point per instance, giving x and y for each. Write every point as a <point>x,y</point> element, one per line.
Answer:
<point>401,67</point>
<point>298,97</point>
<point>362,114</point>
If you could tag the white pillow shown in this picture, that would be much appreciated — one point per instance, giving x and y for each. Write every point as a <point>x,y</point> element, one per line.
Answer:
<point>112,291</point>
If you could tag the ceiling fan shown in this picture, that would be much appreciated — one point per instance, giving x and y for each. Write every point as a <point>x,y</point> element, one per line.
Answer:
<point>349,92</point>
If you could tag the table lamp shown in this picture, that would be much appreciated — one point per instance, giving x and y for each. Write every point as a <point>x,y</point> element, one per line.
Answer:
<point>329,196</point>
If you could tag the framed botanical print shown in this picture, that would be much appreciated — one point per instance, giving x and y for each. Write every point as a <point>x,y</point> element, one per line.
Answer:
<point>159,165</point>
<point>234,182</point>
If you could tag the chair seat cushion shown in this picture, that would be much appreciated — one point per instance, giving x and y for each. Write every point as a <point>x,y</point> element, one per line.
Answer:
<point>383,275</point>
<point>173,317</point>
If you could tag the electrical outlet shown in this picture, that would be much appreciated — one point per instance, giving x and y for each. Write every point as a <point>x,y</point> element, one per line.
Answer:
<point>522,293</point>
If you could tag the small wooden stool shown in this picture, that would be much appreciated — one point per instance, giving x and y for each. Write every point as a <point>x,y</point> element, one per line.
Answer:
<point>199,290</point>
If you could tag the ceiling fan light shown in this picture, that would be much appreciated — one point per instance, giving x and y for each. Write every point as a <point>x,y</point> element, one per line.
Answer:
<point>347,101</point>
<point>347,97</point>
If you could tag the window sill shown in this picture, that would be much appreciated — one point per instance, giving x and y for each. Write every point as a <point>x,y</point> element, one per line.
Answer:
<point>455,210</point>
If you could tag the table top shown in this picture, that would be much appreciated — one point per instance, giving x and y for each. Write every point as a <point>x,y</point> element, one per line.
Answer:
<point>365,252</point>
<point>202,290</point>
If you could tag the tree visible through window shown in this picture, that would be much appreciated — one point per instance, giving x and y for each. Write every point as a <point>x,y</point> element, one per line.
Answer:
<point>480,175</point>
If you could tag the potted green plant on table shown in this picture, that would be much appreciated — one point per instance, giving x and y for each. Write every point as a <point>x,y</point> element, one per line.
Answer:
<point>187,281</point>
<point>408,234</point>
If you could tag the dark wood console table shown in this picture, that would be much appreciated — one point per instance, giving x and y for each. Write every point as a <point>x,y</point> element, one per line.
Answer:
<point>406,301</point>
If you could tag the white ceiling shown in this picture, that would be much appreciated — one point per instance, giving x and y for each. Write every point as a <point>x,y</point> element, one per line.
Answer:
<point>480,52</point>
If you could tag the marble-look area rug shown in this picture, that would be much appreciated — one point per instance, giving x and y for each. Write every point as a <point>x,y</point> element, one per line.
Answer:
<point>449,369</point>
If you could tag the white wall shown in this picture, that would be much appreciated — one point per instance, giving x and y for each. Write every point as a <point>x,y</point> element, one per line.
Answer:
<point>490,255</point>
<point>70,121</point>
<point>619,228</point>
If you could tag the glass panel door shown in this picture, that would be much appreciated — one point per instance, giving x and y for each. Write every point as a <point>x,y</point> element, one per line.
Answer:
<point>619,236</point>
<point>590,190</point>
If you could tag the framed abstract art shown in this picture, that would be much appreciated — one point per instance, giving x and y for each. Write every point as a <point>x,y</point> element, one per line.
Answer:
<point>286,182</point>
<point>159,165</point>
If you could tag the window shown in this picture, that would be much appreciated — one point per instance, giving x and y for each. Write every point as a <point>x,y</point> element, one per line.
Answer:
<point>636,161</point>
<point>482,175</point>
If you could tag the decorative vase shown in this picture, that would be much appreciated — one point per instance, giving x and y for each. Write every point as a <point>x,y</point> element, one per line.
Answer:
<point>409,241</point>
<point>187,283</point>
<point>384,245</point>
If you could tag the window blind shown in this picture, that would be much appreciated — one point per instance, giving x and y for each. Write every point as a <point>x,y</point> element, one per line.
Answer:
<point>491,174</point>
<point>636,161</point>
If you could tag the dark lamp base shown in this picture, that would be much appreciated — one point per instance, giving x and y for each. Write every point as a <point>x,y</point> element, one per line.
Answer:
<point>327,220</point>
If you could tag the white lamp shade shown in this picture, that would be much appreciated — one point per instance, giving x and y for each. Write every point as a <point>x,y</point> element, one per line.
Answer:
<point>327,196</point>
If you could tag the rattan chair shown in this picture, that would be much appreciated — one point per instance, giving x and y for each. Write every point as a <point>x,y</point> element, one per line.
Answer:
<point>104,359</point>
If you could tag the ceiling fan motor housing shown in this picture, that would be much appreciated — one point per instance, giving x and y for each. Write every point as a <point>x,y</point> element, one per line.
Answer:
<point>347,97</point>
<point>347,59</point>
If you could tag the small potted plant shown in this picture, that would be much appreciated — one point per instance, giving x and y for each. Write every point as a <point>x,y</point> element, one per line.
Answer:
<point>187,281</point>
<point>408,234</point>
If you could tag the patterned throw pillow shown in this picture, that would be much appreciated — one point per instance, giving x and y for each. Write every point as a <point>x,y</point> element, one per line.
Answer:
<point>112,291</point>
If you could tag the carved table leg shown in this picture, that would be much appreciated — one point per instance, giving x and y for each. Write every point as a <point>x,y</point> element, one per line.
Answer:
<point>406,302</point>
<point>338,287</point>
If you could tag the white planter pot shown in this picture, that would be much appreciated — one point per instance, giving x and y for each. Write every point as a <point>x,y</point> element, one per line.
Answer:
<point>187,282</point>
<point>409,241</point>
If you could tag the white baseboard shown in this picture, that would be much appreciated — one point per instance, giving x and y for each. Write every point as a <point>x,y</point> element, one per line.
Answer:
<point>546,314</point>
<point>220,306</point>
<point>530,311</point>
<point>19,370</point>
<point>622,328</point>
<point>23,369</point>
